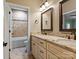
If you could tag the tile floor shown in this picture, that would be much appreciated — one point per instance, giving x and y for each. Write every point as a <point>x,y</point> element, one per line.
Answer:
<point>19,53</point>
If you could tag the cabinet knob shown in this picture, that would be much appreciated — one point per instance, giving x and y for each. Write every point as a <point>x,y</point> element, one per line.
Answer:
<point>33,43</point>
<point>41,51</point>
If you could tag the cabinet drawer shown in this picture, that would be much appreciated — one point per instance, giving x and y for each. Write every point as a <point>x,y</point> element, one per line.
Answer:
<point>35,39</point>
<point>60,52</point>
<point>39,41</point>
<point>41,52</point>
<point>42,43</point>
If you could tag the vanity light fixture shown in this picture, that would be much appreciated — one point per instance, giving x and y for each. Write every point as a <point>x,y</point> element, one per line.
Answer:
<point>40,9</point>
<point>44,5</point>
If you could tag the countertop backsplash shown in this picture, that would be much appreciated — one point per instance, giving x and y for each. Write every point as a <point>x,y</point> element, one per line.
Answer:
<point>68,35</point>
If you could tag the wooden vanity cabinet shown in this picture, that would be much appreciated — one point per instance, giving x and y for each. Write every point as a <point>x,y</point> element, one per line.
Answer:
<point>38,48</point>
<point>61,53</point>
<point>42,49</point>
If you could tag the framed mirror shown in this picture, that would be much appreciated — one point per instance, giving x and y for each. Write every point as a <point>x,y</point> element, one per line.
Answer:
<point>67,16</point>
<point>46,20</point>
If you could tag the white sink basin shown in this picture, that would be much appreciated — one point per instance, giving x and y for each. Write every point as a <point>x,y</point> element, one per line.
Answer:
<point>66,40</point>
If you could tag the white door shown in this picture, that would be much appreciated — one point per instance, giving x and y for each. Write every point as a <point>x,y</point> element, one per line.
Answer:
<point>6,31</point>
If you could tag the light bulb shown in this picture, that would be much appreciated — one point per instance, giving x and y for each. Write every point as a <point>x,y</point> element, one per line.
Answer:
<point>40,9</point>
<point>46,4</point>
<point>43,7</point>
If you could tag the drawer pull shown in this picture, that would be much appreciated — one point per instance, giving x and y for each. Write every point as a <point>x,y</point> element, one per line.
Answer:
<point>41,42</point>
<point>33,43</point>
<point>41,51</point>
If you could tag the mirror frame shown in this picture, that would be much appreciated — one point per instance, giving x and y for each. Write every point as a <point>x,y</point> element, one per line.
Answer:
<point>61,18</point>
<point>51,24</point>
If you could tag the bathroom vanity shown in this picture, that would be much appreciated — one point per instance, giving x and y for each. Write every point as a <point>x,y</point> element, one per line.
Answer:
<point>52,47</point>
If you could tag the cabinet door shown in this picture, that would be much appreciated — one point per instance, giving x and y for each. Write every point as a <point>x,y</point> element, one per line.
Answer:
<point>51,56</point>
<point>34,49</point>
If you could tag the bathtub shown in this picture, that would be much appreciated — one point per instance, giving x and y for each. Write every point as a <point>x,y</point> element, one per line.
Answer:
<point>17,42</point>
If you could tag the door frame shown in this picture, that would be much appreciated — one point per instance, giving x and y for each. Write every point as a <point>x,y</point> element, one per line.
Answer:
<point>24,8</point>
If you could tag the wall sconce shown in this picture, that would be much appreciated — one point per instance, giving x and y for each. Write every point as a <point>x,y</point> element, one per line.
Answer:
<point>36,21</point>
<point>44,5</point>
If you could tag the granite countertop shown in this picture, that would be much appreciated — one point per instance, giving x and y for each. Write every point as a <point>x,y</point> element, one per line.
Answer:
<point>68,43</point>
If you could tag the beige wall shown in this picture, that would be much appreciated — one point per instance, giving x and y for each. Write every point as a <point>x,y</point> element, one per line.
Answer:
<point>35,14</point>
<point>69,5</point>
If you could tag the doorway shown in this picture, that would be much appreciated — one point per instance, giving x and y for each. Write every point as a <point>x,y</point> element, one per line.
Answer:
<point>18,25</point>
<point>19,32</point>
